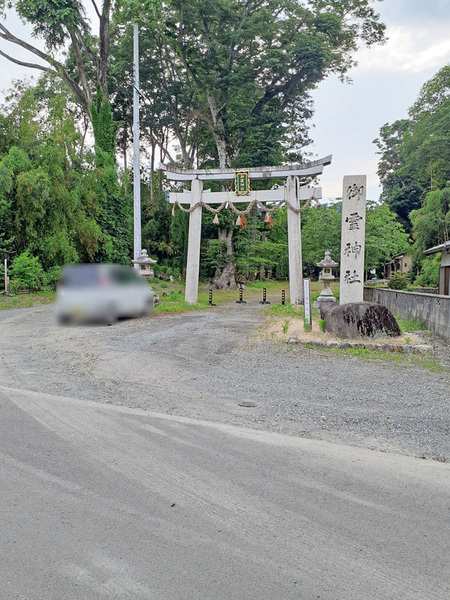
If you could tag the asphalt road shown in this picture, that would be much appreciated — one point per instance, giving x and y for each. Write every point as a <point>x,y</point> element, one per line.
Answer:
<point>102,501</point>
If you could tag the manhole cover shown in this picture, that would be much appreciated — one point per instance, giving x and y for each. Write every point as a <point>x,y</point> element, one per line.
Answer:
<point>247,404</point>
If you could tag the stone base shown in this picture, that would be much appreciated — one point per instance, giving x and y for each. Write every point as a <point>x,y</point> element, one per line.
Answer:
<point>322,300</point>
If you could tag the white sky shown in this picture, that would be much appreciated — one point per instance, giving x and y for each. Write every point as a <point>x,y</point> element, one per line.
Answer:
<point>385,84</point>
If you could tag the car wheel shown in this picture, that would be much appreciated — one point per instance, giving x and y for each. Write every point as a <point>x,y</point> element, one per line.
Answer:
<point>148,308</point>
<point>63,319</point>
<point>110,316</point>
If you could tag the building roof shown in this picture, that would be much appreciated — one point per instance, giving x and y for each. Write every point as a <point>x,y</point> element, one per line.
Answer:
<point>445,247</point>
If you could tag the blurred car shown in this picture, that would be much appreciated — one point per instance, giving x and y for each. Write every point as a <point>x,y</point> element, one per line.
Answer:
<point>101,292</point>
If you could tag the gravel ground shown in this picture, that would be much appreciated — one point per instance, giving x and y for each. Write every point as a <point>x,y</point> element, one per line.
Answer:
<point>204,364</point>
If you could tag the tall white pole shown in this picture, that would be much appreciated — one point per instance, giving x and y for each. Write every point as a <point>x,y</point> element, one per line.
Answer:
<point>136,162</point>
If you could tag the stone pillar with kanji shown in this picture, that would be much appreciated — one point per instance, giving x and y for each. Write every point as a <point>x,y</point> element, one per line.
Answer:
<point>352,239</point>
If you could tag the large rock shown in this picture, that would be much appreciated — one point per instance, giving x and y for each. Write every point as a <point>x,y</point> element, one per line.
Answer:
<point>360,319</point>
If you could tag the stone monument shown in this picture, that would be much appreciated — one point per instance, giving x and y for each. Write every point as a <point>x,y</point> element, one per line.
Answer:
<point>352,239</point>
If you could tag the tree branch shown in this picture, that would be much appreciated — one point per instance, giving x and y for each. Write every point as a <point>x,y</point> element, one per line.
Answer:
<point>96,9</point>
<point>5,34</point>
<point>27,64</point>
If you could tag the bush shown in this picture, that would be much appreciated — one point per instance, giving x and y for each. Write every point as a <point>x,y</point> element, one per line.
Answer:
<point>26,273</point>
<point>399,281</point>
<point>429,271</point>
<point>51,277</point>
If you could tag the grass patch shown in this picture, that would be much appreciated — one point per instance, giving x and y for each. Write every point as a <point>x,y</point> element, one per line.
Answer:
<point>399,358</point>
<point>409,325</point>
<point>283,310</point>
<point>175,303</point>
<point>8,301</point>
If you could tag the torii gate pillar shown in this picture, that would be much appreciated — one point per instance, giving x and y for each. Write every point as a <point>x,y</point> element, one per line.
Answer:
<point>293,195</point>
<point>193,255</point>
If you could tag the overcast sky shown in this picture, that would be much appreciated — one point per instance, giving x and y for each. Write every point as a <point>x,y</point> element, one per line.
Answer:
<point>386,83</point>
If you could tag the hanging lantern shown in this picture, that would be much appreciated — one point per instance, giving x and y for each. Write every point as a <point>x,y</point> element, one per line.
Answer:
<point>216,220</point>
<point>267,218</point>
<point>238,220</point>
<point>173,210</point>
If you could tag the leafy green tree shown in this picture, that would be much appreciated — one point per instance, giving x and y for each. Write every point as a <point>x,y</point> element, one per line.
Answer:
<point>415,152</point>
<point>321,231</point>
<point>385,236</point>
<point>429,271</point>
<point>250,62</point>
<point>55,202</point>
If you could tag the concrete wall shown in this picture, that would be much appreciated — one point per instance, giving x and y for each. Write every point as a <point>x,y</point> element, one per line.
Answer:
<point>433,310</point>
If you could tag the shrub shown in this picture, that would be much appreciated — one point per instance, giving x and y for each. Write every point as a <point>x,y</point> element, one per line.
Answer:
<point>26,273</point>
<point>399,281</point>
<point>429,271</point>
<point>51,277</point>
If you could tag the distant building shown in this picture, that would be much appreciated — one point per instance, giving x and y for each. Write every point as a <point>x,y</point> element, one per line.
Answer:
<point>444,271</point>
<point>400,262</point>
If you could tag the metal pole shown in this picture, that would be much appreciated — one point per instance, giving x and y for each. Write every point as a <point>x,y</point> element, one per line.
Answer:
<point>136,162</point>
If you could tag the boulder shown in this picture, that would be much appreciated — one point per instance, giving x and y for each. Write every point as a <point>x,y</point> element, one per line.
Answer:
<point>360,319</point>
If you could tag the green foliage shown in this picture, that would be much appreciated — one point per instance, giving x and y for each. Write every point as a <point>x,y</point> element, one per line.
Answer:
<point>429,271</point>
<point>431,223</point>
<point>399,281</point>
<point>26,273</point>
<point>104,126</point>
<point>283,310</point>
<point>410,325</point>
<point>51,277</point>
<point>52,18</point>
<point>415,152</point>
<point>321,231</point>
<point>385,236</point>
<point>285,326</point>
<point>322,325</point>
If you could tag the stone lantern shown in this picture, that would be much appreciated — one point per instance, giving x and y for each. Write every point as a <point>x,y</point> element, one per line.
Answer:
<point>145,264</point>
<point>326,276</point>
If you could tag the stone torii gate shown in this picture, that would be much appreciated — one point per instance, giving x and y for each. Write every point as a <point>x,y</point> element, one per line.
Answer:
<point>291,195</point>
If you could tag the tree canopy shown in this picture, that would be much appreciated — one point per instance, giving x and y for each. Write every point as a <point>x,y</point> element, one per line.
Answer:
<point>415,168</point>
<point>223,83</point>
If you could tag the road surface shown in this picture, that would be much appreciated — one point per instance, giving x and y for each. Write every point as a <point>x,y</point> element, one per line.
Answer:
<point>104,501</point>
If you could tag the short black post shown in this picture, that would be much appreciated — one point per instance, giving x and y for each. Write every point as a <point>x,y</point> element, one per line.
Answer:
<point>264,300</point>
<point>211,299</point>
<point>240,301</point>
<point>283,297</point>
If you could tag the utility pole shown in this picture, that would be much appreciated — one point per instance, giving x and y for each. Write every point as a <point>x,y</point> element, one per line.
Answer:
<point>136,162</point>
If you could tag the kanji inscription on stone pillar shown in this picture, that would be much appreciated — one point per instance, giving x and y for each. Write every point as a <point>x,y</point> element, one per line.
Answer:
<point>353,239</point>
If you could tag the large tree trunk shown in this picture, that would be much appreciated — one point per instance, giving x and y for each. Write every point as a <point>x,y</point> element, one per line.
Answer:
<point>225,279</point>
